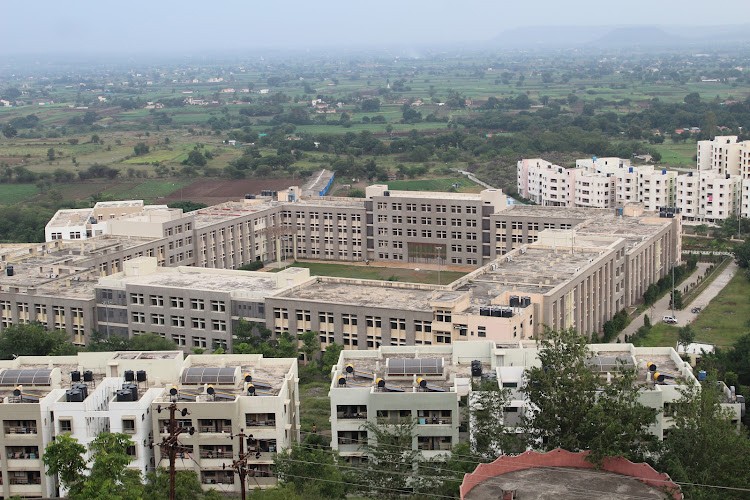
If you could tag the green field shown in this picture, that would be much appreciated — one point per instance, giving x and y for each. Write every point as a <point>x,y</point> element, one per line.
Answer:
<point>10,194</point>
<point>315,407</point>
<point>380,273</point>
<point>677,155</point>
<point>446,184</point>
<point>721,323</point>
<point>150,190</point>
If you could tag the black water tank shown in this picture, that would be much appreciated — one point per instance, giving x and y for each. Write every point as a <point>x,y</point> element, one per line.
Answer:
<point>129,376</point>
<point>73,396</point>
<point>9,270</point>
<point>124,395</point>
<point>83,388</point>
<point>88,376</point>
<point>133,390</point>
<point>75,376</point>
<point>140,375</point>
<point>515,301</point>
<point>476,368</point>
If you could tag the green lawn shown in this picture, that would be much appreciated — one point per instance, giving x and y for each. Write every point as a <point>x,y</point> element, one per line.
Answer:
<point>464,185</point>
<point>721,323</point>
<point>315,407</point>
<point>147,190</point>
<point>676,155</point>
<point>10,194</point>
<point>380,273</point>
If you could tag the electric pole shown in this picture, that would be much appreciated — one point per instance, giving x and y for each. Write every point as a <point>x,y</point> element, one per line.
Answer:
<point>240,465</point>
<point>169,444</point>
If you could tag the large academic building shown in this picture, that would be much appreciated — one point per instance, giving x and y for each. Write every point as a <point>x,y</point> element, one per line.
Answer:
<point>129,269</point>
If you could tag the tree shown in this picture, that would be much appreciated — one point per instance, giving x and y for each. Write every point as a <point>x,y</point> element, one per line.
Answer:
<point>51,154</point>
<point>33,340</point>
<point>196,158</point>
<point>63,457</point>
<point>443,475</point>
<point>370,105</point>
<point>330,357</point>
<point>9,131</point>
<point>685,336</point>
<point>742,254</point>
<point>95,139</point>
<point>188,206</point>
<point>140,149</point>
<point>313,473</point>
<point>704,447</point>
<point>151,342</point>
<point>693,99</point>
<point>108,477</point>
<point>310,344</point>
<point>187,486</point>
<point>390,459</point>
<point>490,437</point>
<point>570,408</point>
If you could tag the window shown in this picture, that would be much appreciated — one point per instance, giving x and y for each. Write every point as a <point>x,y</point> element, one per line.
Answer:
<point>179,339</point>
<point>139,317</point>
<point>157,319</point>
<point>199,323</point>
<point>218,306</point>
<point>200,342</point>
<point>66,425</point>
<point>197,304</point>
<point>218,325</point>
<point>178,321</point>
<point>137,298</point>
<point>411,207</point>
<point>441,208</point>
<point>128,425</point>
<point>177,302</point>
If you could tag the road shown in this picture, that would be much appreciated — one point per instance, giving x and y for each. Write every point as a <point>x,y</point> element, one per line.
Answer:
<point>684,317</point>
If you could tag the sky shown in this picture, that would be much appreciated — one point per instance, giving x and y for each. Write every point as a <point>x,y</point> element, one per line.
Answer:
<point>190,26</point>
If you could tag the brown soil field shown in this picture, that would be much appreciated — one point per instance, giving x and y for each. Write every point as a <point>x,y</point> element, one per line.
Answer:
<point>213,191</point>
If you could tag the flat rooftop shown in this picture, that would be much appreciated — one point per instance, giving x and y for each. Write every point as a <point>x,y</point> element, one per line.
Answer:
<point>230,210</point>
<point>368,369</point>
<point>564,483</point>
<point>435,195</point>
<point>522,272</point>
<point>237,283</point>
<point>71,217</point>
<point>554,212</point>
<point>364,293</point>
<point>329,201</point>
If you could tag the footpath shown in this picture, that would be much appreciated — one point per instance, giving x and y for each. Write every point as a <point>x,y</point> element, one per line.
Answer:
<point>684,317</point>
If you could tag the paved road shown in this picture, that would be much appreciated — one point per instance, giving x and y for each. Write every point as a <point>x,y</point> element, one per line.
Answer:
<point>684,317</point>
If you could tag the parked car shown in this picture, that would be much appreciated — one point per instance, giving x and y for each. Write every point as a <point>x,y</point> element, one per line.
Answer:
<point>695,310</point>
<point>671,320</point>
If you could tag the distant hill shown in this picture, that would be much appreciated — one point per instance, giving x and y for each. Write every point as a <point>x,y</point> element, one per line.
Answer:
<point>535,37</point>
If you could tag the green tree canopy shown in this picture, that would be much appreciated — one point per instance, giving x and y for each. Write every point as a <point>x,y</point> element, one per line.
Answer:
<point>33,340</point>
<point>313,473</point>
<point>187,486</point>
<point>570,407</point>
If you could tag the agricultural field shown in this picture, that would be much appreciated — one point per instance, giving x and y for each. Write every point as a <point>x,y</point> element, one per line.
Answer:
<point>10,194</point>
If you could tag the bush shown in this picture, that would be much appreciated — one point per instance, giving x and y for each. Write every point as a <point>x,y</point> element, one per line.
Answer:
<point>252,266</point>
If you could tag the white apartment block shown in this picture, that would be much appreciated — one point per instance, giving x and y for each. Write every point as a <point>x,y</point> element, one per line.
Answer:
<point>708,196</point>
<point>424,385</point>
<point>84,395</point>
<point>83,223</point>
<point>421,384</point>
<point>596,183</point>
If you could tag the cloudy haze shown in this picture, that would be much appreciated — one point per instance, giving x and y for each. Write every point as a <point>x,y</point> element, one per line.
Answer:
<point>190,26</point>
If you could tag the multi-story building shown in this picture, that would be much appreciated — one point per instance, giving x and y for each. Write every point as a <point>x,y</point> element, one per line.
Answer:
<point>83,286</point>
<point>421,384</point>
<point>708,196</point>
<point>90,393</point>
<point>195,307</point>
<point>424,385</point>
<point>596,183</point>
<point>224,397</point>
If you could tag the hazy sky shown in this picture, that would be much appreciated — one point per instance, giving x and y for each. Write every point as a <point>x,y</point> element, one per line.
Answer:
<point>189,26</point>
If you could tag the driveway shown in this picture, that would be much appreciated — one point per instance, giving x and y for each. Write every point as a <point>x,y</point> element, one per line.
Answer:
<point>661,307</point>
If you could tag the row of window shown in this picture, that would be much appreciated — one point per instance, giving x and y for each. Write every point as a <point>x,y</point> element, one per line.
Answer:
<point>179,302</point>
<point>425,207</point>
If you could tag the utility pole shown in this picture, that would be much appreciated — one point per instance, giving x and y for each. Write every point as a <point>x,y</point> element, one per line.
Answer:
<point>240,465</point>
<point>169,444</point>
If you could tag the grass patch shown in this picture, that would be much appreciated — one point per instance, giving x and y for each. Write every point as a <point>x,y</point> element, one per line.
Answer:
<point>315,406</point>
<point>661,334</point>
<point>676,155</point>
<point>380,273</point>
<point>464,185</point>
<point>725,319</point>
<point>148,190</point>
<point>10,194</point>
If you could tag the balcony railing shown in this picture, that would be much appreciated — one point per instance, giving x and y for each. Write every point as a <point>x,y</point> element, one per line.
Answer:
<point>25,480</point>
<point>215,454</point>
<point>20,430</point>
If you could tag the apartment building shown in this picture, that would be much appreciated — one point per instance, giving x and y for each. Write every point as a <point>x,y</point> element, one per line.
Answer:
<point>90,393</point>
<point>80,224</point>
<point>708,196</point>
<point>424,385</point>
<point>235,394</point>
<point>596,183</point>
<point>421,384</point>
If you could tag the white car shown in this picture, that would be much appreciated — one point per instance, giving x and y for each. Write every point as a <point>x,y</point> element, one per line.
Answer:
<point>671,320</point>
